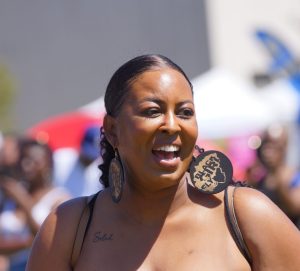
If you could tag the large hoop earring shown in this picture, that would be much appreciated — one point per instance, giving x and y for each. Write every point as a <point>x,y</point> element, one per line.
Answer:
<point>210,172</point>
<point>116,177</point>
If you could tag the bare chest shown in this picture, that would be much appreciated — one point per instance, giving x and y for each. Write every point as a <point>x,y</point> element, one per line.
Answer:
<point>173,247</point>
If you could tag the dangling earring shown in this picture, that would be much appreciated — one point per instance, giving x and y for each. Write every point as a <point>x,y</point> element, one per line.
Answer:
<point>210,172</point>
<point>116,177</point>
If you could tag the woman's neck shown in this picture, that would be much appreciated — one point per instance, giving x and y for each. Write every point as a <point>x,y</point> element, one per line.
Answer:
<point>149,207</point>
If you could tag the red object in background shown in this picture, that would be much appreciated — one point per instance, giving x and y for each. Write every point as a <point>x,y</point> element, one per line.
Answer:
<point>236,150</point>
<point>65,130</point>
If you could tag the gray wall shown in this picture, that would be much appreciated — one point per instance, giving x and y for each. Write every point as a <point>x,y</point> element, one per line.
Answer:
<point>63,52</point>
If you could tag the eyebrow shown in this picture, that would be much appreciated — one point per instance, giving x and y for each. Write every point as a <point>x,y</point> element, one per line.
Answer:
<point>159,101</point>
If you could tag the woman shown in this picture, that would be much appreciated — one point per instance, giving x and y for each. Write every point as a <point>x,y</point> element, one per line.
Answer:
<point>28,202</point>
<point>154,219</point>
<point>273,175</point>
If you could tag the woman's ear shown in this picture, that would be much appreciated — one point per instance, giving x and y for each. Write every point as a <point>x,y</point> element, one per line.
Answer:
<point>109,124</point>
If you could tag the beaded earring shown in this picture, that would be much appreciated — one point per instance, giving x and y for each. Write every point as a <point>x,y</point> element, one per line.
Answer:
<point>116,177</point>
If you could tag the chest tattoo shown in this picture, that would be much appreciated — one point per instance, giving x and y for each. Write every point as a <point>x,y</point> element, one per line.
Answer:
<point>102,236</point>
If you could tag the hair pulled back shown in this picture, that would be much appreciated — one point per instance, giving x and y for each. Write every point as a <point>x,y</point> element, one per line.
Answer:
<point>116,93</point>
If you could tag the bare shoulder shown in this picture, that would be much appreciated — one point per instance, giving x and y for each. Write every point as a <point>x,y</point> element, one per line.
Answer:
<point>252,204</point>
<point>53,244</point>
<point>273,240</point>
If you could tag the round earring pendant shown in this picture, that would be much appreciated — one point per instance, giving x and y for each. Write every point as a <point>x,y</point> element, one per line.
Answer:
<point>211,172</point>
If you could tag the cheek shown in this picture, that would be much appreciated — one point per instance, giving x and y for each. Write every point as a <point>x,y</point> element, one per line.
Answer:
<point>191,132</point>
<point>133,146</point>
<point>194,131</point>
<point>189,137</point>
<point>137,131</point>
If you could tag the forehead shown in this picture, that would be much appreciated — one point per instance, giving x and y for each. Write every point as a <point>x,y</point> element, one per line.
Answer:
<point>164,83</point>
<point>35,152</point>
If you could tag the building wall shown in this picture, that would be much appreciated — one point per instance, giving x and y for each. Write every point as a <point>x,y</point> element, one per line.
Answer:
<point>232,24</point>
<point>63,52</point>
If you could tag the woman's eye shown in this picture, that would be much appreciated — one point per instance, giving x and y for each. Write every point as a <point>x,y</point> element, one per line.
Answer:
<point>186,113</point>
<point>151,112</point>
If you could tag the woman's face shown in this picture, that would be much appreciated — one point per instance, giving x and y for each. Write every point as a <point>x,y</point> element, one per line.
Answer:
<point>33,164</point>
<point>156,129</point>
<point>272,153</point>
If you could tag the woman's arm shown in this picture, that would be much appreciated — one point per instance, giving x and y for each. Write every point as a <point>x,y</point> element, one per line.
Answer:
<point>53,244</point>
<point>273,240</point>
<point>14,190</point>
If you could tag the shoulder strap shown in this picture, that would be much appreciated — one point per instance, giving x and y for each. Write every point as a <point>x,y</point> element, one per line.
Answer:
<point>83,225</point>
<point>233,224</point>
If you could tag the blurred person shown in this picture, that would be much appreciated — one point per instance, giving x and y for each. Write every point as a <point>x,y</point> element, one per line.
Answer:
<point>160,209</point>
<point>79,172</point>
<point>272,175</point>
<point>30,201</point>
<point>9,156</point>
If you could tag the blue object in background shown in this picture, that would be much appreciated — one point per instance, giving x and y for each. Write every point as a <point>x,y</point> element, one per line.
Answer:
<point>296,180</point>
<point>282,57</point>
<point>295,80</point>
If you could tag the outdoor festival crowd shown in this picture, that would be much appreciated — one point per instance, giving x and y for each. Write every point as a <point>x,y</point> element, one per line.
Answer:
<point>33,181</point>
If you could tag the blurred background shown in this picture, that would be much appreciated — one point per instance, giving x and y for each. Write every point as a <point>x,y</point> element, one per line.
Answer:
<point>56,58</point>
<point>61,54</point>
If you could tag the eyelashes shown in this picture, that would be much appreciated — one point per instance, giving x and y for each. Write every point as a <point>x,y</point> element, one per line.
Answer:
<point>186,113</point>
<point>153,112</point>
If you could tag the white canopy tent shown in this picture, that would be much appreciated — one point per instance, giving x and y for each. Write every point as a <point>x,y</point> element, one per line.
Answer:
<point>282,99</point>
<point>226,106</point>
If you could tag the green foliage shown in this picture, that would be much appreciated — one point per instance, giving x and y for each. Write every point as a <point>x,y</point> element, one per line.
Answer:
<point>7,92</point>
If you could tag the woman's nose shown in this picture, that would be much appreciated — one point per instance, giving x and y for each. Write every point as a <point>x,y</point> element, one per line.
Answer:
<point>170,124</point>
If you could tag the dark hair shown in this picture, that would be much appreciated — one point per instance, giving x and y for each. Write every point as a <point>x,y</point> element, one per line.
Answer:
<point>116,92</point>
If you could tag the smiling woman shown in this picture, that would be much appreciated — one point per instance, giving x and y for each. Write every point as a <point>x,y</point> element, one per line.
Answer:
<point>154,200</point>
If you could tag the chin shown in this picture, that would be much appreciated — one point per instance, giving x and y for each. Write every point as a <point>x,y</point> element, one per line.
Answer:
<point>170,179</point>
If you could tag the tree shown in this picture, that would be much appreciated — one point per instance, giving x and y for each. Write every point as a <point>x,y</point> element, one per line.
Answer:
<point>7,91</point>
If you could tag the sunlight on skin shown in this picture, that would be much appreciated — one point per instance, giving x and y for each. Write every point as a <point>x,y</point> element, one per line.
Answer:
<point>165,79</point>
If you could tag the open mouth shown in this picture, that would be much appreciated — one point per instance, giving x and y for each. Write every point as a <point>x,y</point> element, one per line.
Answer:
<point>167,152</point>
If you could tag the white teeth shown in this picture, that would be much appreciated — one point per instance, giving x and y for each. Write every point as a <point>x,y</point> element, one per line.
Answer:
<point>168,148</point>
